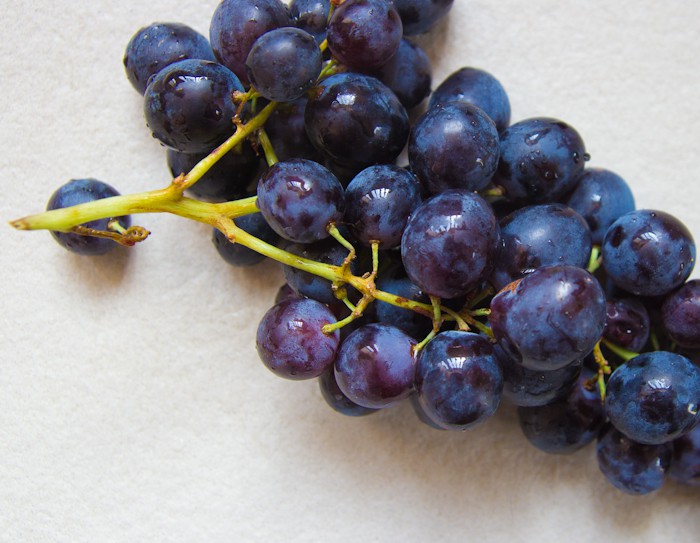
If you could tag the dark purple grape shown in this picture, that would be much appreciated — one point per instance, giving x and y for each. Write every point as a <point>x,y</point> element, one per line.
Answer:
<point>421,414</point>
<point>300,199</point>
<point>311,16</point>
<point>308,284</point>
<point>364,33</point>
<point>81,191</point>
<point>531,388</point>
<point>449,243</point>
<point>541,160</point>
<point>235,26</point>
<point>283,64</point>
<point>681,315</point>
<point>478,88</point>
<point>549,318</point>
<point>537,236</point>
<point>290,340</point>
<point>188,105</point>
<point>627,324</point>
<point>567,425</point>
<point>414,324</point>
<point>287,132</point>
<point>454,146</point>
<point>379,201</point>
<point>648,252</point>
<point>240,255</point>
<point>685,465</point>
<point>632,467</point>
<point>601,197</point>
<point>227,180</point>
<point>458,381</point>
<point>655,397</point>
<point>419,16</point>
<point>157,45</point>
<point>408,74</point>
<point>286,292</point>
<point>337,400</point>
<point>375,365</point>
<point>356,120</point>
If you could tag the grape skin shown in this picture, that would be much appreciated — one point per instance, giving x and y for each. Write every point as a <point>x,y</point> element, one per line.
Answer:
<point>627,323</point>
<point>419,16</point>
<point>680,314</point>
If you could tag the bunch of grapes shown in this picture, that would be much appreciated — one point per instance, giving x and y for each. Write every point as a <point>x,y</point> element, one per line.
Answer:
<point>494,264</point>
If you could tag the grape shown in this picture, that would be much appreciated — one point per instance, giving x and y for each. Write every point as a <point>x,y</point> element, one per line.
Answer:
<point>449,243</point>
<point>458,381</point>
<point>654,398</point>
<point>681,315</point>
<point>239,255</point>
<point>283,64</point>
<point>227,180</point>
<point>80,191</point>
<point>235,26</point>
<point>408,74</point>
<point>685,465</point>
<point>414,324</point>
<point>311,16</point>
<point>379,201</point>
<point>375,366</point>
<point>454,146</point>
<point>188,105</point>
<point>632,467</point>
<point>648,252</point>
<point>601,197</point>
<point>549,318</point>
<point>356,120</point>
<point>337,400</point>
<point>290,341</point>
<point>419,16</point>
<point>287,132</point>
<point>157,45</point>
<point>541,235</point>
<point>566,425</point>
<point>627,323</point>
<point>531,388</point>
<point>478,88</point>
<point>299,199</point>
<point>541,160</point>
<point>364,33</point>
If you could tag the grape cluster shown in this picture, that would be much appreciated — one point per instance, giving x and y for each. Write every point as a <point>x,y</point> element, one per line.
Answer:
<point>497,263</point>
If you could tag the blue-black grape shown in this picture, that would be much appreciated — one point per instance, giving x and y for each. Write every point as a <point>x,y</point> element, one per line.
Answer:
<point>601,197</point>
<point>541,160</point>
<point>375,366</point>
<point>379,200</point>
<point>648,252</point>
<point>235,26</point>
<point>188,105</point>
<point>283,64</point>
<point>476,87</point>
<point>458,381</point>
<point>81,191</point>
<point>454,146</point>
<point>419,16</point>
<point>311,16</point>
<point>227,180</point>
<point>287,132</point>
<point>680,315</point>
<point>364,33</point>
<point>290,340</point>
<point>300,199</point>
<point>407,73</point>
<point>685,465</point>
<point>537,236</point>
<point>449,243</point>
<point>414,324</point>
<point>654,397</point>
<point>356,120</point>
<point>549,318</point>
<point>569,424</point>
<point>157,45</point>
<point>337,399</point>
<point>240,255</point>
<point>632,467</point>
<point>627,323</point>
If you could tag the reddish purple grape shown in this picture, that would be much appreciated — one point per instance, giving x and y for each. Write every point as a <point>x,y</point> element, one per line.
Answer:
<point>337,400</point>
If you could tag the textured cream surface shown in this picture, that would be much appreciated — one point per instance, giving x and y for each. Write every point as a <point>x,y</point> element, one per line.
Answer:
<point>132,403</point>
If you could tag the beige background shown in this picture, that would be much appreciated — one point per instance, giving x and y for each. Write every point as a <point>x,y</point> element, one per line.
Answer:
<point>132,403</point>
